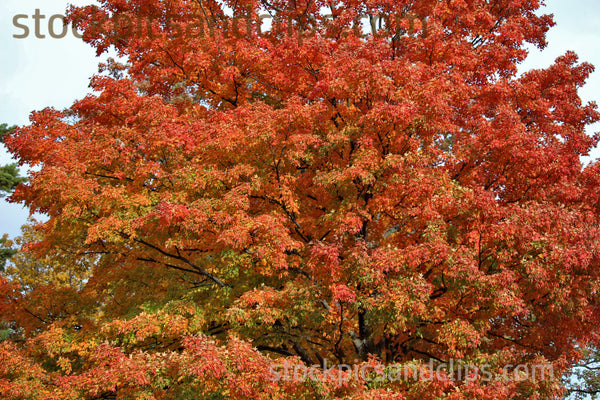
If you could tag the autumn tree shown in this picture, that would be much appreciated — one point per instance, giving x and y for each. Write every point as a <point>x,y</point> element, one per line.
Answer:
<point>384,190</point>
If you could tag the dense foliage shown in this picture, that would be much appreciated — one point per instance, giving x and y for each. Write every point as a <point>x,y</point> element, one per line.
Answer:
<point>233,198</point>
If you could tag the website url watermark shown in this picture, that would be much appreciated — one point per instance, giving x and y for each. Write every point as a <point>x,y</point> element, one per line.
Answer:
<point>123,26</point>
<point>453,370</point>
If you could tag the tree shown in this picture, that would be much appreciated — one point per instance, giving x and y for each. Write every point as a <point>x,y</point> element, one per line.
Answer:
<point>255,203</point>
<point>6,251</point>
<point>4,130</point>
<point>583,381</point>
<point>9,179</point>
<point>9,174</point>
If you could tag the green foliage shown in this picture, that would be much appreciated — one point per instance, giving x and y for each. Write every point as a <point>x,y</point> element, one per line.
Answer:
<point>6,252</point>
<point>9,178</point>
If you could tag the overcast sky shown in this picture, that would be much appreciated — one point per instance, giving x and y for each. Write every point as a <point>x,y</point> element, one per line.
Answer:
<point>37,73</point>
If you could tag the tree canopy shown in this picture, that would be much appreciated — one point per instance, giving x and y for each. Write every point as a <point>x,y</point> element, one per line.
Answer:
<point>232,200</point>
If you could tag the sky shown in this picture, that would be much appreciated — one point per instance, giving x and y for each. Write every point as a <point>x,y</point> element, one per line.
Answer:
<point>48,72</point>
